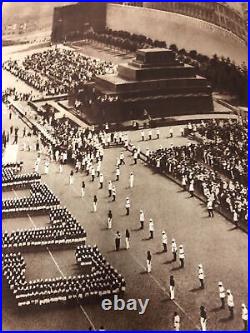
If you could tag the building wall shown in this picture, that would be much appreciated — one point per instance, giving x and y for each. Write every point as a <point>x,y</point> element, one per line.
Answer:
<point>73,18</point>
<point>184,31</point>
<point>213,12</point>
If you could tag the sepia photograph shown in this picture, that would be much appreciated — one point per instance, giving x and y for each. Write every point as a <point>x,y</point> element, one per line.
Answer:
<point>124,166</point>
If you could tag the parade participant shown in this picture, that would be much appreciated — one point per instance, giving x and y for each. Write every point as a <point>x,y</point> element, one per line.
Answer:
<point>127,239</point>
<point>117,241</point>
<point>101,179</point>
<point>127,205</point>
<point>222,294</point>
<point>181,256</point>
<point>92,173</point>
<point>184,182</point>
<point>177,321</point>
<point>203,318</point>
<point>118,162</point>
<point>174,249</point>
<point>131,180</point>
<point>95,203</point>
<point>135,156</point>
<point>142,219</point>
<point>117,173</point>
<point>147,154</point>
<point>210,208</point>
<point>191,187</point>
<point>122,161</point>
<point>98,169</point>
<point>164,240</point>
<point>230,303</point>
<point>149,262</point>
<point>151,229</point>
<point>113,193</point>
<point>142,135</point>
<point>201,276</point>
<point>71,177</point>
<point>110,217</point>
<point>235,218</point>
<point>57,155</point>
<point>244,316</point>
<point>172,287</point>
<point>110,188</point>
<point>83,189</point>
<point>37,145</point>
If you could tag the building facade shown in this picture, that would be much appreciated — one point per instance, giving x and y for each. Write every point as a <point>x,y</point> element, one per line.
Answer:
<point>218,13</point>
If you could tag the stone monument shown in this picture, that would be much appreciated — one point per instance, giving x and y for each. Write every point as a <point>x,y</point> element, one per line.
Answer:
<point>156,82</point>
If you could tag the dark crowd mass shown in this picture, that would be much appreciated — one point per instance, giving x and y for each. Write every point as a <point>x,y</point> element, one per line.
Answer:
<point>57,71</point>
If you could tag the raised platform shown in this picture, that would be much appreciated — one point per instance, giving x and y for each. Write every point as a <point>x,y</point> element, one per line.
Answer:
<point>111,83</point>
<point>129,72</point>
<point>156,82</point>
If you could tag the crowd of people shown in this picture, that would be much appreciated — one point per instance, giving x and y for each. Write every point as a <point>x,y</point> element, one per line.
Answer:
<point>68,232</point>
<point>15,95</point>
<point>82,147</point>
<point>195,173</point>
<point>91,144</point>
<point>11,179</point>
<point>41,199</point>
<point>102,280</point>
<point>16,166</point>
<point>63,229</point>
<point>183,164</point>
<point>57,71</point>
<point>112,281</point>
<point>224,147</point>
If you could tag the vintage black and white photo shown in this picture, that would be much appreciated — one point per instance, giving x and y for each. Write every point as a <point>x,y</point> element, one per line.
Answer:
<point>124,166</point>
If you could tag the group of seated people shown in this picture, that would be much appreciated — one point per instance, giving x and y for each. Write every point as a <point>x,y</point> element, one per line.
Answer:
<point>224,147</point>
<point>17,166</point>
<point>184,164</point>
<point>41,198</point>
<point>57,71</point>
<point>59,215</point>
<point>32,78</point>
<point>67,232</point>
<point>63,228</point>
<point>11,179</point>
<point>102,280</point>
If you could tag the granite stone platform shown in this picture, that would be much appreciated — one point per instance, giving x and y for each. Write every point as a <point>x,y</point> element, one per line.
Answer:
<point>157,82</point>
